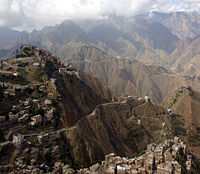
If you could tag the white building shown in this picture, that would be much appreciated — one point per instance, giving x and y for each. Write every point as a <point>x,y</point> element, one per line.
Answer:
<point>48,102</point>
<point>147,99</point>
<point>169,111</point>
<point>36,120</point>
<point>62,70</point>
<point>36,64</point>
<point>18,140</point>
<point>15,74</point>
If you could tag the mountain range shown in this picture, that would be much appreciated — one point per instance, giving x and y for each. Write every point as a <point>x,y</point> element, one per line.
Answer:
<point>54,113</point>
<point>82,120</point>
<point>140,55</point>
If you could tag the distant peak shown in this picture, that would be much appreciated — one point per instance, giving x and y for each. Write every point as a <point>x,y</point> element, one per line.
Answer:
<point>67,22</point>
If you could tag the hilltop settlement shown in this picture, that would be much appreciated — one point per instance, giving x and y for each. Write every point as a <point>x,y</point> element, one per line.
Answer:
<point>34,123</point>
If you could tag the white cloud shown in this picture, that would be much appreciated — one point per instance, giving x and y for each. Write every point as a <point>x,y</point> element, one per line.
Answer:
<point>29,14</point>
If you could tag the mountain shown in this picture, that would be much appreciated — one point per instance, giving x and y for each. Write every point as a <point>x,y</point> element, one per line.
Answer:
<point>182,24</point>
<point>72,97</point>
<point>59,99</point>
<point>136,37</point>
<point>117,73</point>
<point>7,35</point>
<point>127,76</point>
<point>60,39</point>
<point>123,128</point>
<point>51,113</point>
<point>118,42</point>
<point>149,38</point>
<point>184,104</point>
<point>188,60</point>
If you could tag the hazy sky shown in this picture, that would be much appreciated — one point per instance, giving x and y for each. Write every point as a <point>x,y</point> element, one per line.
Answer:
<point>29,14</point>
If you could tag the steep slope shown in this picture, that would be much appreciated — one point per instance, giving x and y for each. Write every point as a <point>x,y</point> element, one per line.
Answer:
<point>123,128</point>
<point>97,85</point>
<point>158,36</point>
<point>182,24</point>
<point>126,76</point>
<point>137,37</point>
<point>79,99</point>
<point>7,35</point>
<point>189,57</point>
<point>78,95</point>
<point>60,39</point>
<point>185,104</point>
<point>59,114</point>
<point>116,73</point>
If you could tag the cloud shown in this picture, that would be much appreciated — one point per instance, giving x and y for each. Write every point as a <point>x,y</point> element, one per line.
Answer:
<point>29,14</point>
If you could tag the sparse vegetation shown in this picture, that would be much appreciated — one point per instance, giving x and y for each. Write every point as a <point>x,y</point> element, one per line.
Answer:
<point>177,125</point>
<point>35,111</point>
<point>14,80</point>
<point>134,135</point>
<point>28,91</point>
<point>192,94</point>
<point>24,52</point>
<point>193,139</point>
<point>38,74</point>
<point>1,93</point>
<point>56,116</point>
<point>181,158</point>
<point>65,151</point>
<point>2,139</point>
<point>49,68</point>
<point>138,154</point>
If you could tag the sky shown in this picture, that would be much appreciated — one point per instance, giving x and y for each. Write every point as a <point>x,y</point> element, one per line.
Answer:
<point>35,14</point>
